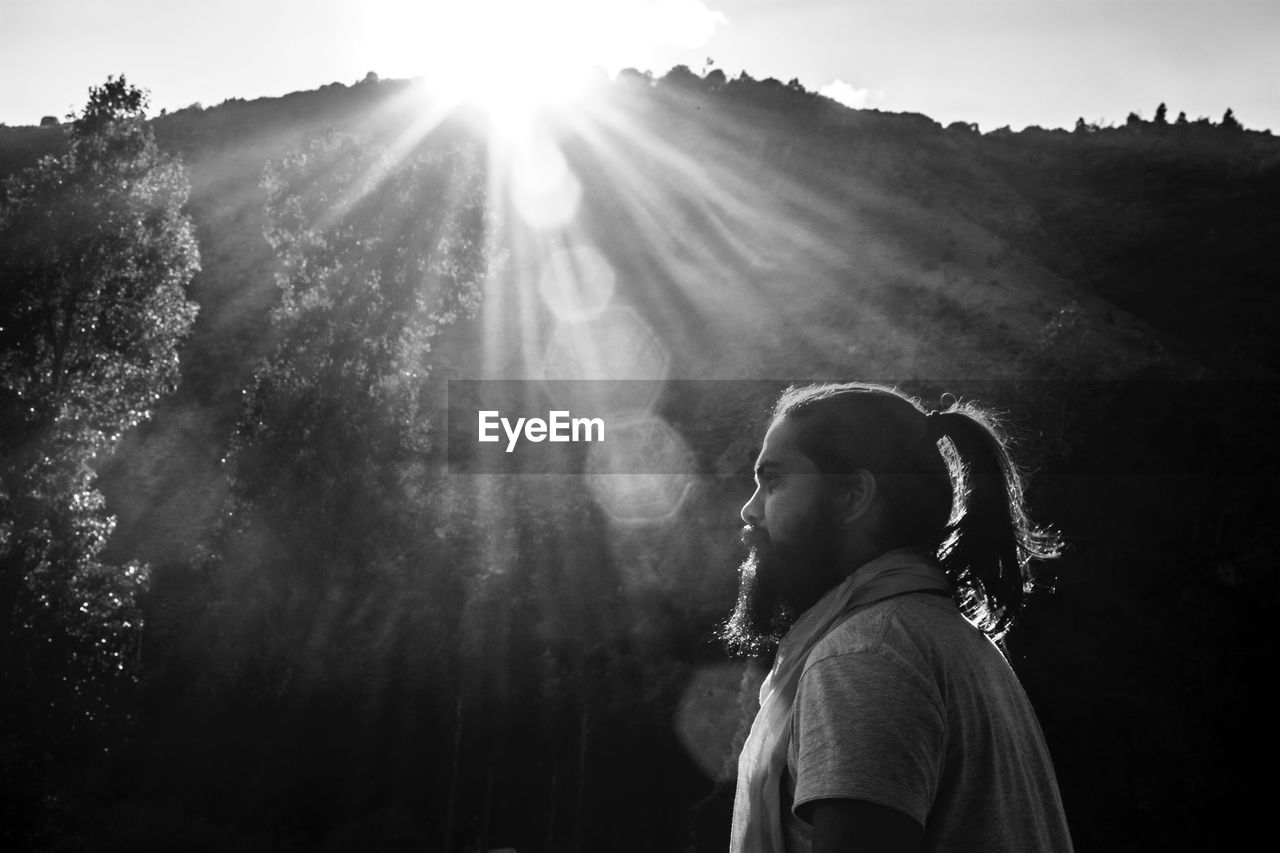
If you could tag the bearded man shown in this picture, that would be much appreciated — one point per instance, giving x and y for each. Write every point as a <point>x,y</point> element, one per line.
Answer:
<point>889,551</point>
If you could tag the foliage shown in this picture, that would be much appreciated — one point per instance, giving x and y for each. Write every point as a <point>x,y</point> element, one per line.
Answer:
<point>332,570</point>
<point>634,77</point>
<point>681,77</point>
<point>376,256</point>
<point>95,258</point>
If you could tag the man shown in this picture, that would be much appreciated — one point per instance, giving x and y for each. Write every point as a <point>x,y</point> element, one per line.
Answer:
<point>890,721</point>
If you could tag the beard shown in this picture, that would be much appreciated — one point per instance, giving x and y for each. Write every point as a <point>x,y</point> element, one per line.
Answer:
<point>777,582</point>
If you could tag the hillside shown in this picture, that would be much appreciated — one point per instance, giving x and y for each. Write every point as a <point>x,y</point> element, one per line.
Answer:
<point>833,242</point>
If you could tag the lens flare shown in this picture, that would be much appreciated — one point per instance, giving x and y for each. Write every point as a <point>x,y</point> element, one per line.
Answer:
<point>642,472</point>
<point>710,720</point>
<point>544,191</point>
<point>577,283</point>
<point>617,344</point>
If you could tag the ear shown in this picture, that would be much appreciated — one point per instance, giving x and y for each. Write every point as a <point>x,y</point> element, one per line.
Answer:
<point>855,497</point>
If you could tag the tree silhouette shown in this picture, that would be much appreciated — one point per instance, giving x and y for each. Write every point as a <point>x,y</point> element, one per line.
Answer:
<point>1230,122</point>
<point>634,77</point>
<point>681,77</point>
<point>95,257</point>
<point>1162,114</point>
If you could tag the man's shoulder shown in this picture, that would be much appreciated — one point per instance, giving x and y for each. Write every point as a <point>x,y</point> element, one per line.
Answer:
<point>905,624</point>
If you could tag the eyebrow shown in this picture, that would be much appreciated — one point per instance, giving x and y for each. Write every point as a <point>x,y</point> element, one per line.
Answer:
<point>766,467</point>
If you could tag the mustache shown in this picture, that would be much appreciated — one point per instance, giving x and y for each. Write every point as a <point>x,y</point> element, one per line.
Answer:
<point>754,537</point>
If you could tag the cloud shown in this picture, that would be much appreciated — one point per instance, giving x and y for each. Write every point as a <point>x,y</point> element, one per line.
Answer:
<point>685,23</point>
<point>850,95</point>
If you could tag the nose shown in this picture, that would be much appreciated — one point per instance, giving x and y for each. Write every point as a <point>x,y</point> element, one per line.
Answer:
<point>750,511</point>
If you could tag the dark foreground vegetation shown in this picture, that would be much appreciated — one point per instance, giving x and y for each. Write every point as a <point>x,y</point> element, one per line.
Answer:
<point>303,631</point>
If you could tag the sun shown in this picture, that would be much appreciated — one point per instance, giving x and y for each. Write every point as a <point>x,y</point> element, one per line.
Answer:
<point>505,55</point>
<point>512,56</point>
<point>517,56</point>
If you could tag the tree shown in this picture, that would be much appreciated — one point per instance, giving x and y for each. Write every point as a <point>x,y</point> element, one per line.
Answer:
<point>1162,114</point>
<point>336,566</point>
<point>634,77</point>
<point>1230,122</point>
<point>333,451</point>
<point>681,77</point>
<point>376,259</point>
<point>95,257</point>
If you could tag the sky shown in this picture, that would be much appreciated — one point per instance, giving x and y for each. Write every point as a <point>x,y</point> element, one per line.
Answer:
<point>994,62</point>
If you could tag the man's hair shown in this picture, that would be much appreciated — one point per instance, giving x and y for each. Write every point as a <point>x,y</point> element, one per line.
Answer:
<point>948,482</point>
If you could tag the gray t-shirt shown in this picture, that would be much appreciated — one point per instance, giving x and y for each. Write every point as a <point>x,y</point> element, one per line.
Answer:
<point>908,705</point>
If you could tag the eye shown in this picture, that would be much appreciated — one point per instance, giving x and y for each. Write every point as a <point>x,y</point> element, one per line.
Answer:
<point>769,482</point>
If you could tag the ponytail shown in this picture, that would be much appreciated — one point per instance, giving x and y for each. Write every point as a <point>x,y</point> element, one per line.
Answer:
<point>990,540</point>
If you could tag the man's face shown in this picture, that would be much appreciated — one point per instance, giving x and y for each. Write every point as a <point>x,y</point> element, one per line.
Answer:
<point>793,544</point>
